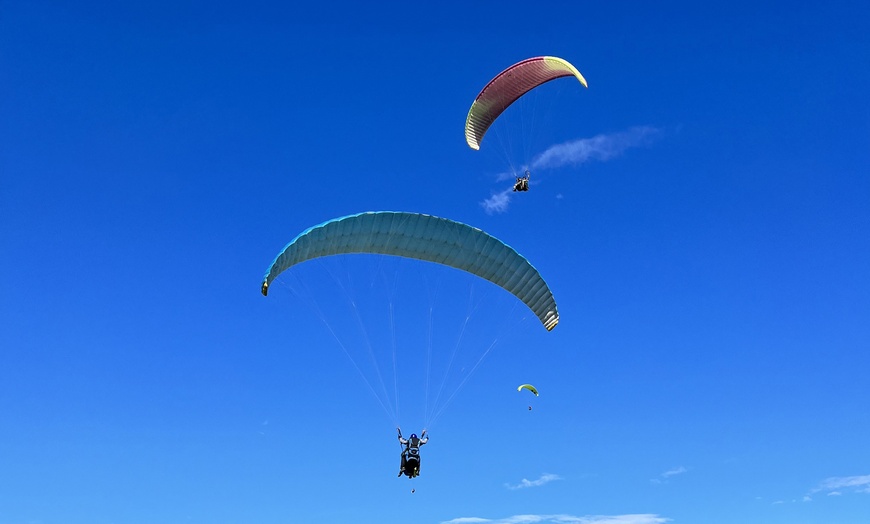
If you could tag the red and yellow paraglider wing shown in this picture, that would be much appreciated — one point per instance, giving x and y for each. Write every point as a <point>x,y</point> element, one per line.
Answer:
<point>508,87</point>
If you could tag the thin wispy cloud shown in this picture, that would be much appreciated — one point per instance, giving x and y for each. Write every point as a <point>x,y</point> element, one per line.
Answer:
<point>641,518</point>
<point>840,485</point>
<point>526,483</point>
<point>835,487</point>
<point>600,147</point>
<point>497,202</point>
<point>574,153</point>
<point>674,471</point>
<point>668,474</point>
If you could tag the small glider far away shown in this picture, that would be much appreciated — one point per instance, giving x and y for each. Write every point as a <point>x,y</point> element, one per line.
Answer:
<point>423,237</point>
<point>529,387</point>
<point>508,87</point>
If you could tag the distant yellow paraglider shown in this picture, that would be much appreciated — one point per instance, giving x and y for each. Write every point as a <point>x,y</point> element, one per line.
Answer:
<point>529,387</point>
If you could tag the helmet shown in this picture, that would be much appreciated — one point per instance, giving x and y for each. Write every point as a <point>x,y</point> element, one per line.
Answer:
<point>413,435</point>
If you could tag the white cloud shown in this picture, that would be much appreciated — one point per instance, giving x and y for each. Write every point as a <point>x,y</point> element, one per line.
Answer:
<point>574,153</point>
<point>498,202</point>
<point>509,175</point>
<point>674,471</point>
<point>526,483</point>
<point>600,147</point>
<point>837,485</point>
<point>669,473</point>
<point>641,518</point>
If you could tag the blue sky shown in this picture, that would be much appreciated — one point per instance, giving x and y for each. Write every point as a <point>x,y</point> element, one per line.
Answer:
<point>704,229</point>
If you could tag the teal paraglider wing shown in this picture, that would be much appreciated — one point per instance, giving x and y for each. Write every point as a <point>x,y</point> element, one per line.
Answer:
<point>423,237</point>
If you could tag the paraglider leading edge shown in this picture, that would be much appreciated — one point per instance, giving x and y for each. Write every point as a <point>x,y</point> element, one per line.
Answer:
<point>428,238</point>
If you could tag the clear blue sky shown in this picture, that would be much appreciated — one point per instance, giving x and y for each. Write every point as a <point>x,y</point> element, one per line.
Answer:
<point>710,254</point>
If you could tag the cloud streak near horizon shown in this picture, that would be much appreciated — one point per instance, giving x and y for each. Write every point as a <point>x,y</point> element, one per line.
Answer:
<point>640,518</point>
<point>837,485</point>
<point>574,153</point>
